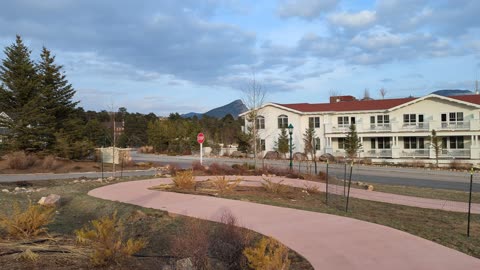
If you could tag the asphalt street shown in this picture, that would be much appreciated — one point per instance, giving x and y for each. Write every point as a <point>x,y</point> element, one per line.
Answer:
<point>372,174</point>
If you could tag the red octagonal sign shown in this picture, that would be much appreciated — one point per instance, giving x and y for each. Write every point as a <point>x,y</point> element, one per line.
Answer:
<point>200,138</point>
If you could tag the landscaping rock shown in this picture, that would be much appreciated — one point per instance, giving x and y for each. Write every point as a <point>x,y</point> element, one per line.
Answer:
<point>168,267</point>
<point>300,156</point>
<point>272,155</point>
<point>83,181</point>
<point>326,157</point>
<point>184,264</point>
<point>50,200</point>
<point>5,190</point>
<point>237,154</point>
<point>370,188</point>
<point>17,189</point>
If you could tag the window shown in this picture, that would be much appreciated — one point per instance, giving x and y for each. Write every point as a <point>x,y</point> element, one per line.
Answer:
<point>341,143</point>
<point>317,143</point>
<point>343,121</point>
<point>260,122</point>
<point>314,122</point>
<point>383,119</point>
<point>380,143</point>
<point>409,119</point>
<point>453,117</point>
<point>283,121</point>
<point>262,145</point>
<point>456,142</point>
<point>413,143</point>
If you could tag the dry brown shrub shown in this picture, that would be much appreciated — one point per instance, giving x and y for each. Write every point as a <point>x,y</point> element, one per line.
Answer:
<point>27,223</point>
<point>28,255</point>
<point>274,187</point>
<point>418,164</point>
<point>51,163</point>
<point>197,166</point>
<point>193,243</point>
<point>20,160</point>
<point>228,241</point>
<point>146,149</point>
<point>312,187</point>
<point>184,180</point>
<point>457,165</point>
<point>224,185</point>
<point>108,241</point>
<point>220,169</point>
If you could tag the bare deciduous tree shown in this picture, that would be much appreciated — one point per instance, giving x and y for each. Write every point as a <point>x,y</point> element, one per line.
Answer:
<point>366,94</point>
<point>383,92</point>
<point>253,98</point>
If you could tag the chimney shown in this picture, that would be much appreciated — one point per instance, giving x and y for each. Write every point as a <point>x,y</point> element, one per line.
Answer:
<point>476,87</point>
<point>335,99</point>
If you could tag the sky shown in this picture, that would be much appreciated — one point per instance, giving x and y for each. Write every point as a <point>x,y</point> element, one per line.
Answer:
<point>193,55</point>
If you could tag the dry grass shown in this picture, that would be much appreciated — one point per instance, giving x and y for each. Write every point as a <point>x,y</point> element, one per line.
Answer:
<point>223,185</point>
<point>184,180</point>
<point>193,243</point>
<point>268,254</point>
<point>27,223</point>
<point>274,187</point>
<point>457,165</point>
<point>107,240</point>
<point>51,163</point>
<point>20,160</point>
<point>146,149</point>
<point>312,188</point>
<point>28,255</point>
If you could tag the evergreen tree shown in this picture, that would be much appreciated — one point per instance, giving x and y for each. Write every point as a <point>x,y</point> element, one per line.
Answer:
<point>56,90</point>
<point>352,142</point>
<point>20,98</point>
<point>282,143</point>
<point>436,144</point>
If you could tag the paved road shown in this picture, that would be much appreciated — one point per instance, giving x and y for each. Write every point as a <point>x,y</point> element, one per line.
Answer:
<point>326,241</point>
<point>371,174</point>
<point>51,176</point>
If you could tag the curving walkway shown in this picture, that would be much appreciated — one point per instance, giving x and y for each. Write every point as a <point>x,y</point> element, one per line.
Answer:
<point>326,241</point>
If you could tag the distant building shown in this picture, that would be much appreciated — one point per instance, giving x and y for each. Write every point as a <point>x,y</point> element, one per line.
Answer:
<point>397,129</point>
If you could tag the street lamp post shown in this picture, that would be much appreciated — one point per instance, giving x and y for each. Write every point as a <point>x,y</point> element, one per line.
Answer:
<point>290,131</point>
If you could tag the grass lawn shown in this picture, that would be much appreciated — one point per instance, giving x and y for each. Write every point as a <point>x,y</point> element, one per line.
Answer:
<point>445,228</point>
<point>77,209</point>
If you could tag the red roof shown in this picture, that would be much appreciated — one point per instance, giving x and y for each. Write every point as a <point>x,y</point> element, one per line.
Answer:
<point>468,98</point>
<point>357,105</point>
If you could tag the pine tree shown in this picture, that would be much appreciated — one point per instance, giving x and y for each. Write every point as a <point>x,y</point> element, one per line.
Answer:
<point>20,98</point>
<point>57,94</point>
<point>282,144</point>
<point>352,142</point>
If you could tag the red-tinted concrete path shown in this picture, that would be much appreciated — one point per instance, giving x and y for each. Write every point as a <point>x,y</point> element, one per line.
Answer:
<point>326,241</point>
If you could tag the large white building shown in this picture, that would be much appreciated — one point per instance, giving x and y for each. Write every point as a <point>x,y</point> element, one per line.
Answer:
<point>388,128</point>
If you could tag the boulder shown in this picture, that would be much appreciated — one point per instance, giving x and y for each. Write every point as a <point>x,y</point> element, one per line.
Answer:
<point>272,155</point>
<point>184,264</point>
<point>300,156</point>
<point>326,157</point>
<point>5,190</point>
<point>238,154</point>
<point>370,188</point>
<point>50,200</point>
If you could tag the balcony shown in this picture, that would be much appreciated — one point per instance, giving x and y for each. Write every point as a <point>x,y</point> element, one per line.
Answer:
<point>461,125</point>
<point>380,127</point>
<point>415,126</point>
<point>379,153</point>
<point>415,153</point>
<point>455,153</point>
<point>340,128</point>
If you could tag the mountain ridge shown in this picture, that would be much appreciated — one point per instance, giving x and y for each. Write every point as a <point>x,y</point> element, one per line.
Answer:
<point>234,108</point>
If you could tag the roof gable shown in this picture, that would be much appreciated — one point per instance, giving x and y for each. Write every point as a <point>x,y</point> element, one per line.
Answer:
<point>469,100</point>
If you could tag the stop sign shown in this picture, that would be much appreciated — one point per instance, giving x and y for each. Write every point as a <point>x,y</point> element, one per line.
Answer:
<point>200,138</point>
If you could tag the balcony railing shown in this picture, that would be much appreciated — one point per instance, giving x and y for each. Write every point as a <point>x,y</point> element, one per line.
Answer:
<point>379,153</point>
<point>415,153</point>
<point>341,128</point>
<point>415,126</point>
<point>455,153</point>
<point>462,125</point>
<point>381,127</point>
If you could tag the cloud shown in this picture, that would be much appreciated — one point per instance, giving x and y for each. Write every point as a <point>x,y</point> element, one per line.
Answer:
<point>386,80</point>
<point>305,9</point>
<point>353,20</point>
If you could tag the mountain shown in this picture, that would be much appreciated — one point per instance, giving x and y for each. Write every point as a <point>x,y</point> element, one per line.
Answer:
<point>234,108</point>
<point>452,92</point>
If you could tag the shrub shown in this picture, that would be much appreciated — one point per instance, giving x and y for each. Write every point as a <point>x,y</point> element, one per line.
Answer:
<point>197,166</point>
<point>273,187</point>
<point>20,160</point>
<point>28,255</point>
<point>146,149</point>
<point>457,165</point>
<point>193,243</point>
<point>27,223</point>
<point>311,187</point>
<point>50,163</point>
<point>107,240</point>
<point>173,169</point>
<point>223,185</point>
<point>184,180</point>
<point>418,164</point>
<point>268,254</point>
<point>220,169</point>
<point>228,241</point>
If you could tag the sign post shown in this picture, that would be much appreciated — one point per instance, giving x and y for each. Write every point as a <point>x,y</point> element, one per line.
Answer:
<point>200,140</point>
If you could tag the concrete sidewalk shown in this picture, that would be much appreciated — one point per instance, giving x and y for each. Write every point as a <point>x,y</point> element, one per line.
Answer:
<point>326,241</point>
